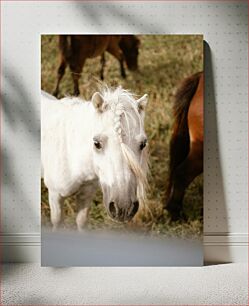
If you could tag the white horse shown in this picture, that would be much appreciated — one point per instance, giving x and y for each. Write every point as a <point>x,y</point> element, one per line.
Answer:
<point>85,143</point>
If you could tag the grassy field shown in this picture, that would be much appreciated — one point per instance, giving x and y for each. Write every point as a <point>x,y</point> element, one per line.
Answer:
<point>163,62</point>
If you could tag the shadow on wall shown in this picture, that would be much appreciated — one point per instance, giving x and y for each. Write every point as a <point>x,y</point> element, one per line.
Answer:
<point>18,106</point>
<point>214,193</point>
<point>20,119</point>
<point>138,25</point>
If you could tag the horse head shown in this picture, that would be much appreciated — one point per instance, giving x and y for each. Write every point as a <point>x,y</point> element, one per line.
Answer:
<point>119,148</point>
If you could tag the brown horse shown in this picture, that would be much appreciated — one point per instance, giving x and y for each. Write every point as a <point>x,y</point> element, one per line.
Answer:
<point>186,146</point>
<point>75,49</point>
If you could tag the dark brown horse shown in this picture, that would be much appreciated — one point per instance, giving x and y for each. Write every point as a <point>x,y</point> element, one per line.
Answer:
<point>186,146</point>
<point>75,49</point>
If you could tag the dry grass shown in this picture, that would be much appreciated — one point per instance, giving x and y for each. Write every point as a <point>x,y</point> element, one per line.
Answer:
<point>163,62</point>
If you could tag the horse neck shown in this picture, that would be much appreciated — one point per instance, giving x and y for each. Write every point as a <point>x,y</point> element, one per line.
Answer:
<point>83,120</point>
<point>80,119</point>
<point>87,117</point>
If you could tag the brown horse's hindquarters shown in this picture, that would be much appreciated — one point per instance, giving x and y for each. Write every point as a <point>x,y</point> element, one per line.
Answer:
<point>186,147</point>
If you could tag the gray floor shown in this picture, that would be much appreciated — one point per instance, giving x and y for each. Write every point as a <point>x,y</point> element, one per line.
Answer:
<point>27,284</point>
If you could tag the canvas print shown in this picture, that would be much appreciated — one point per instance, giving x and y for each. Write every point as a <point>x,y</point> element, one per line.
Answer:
<point>122,150</point>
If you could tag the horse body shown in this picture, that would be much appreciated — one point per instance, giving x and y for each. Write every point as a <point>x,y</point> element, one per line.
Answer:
<point>86,143</point>
<point>75,49</point>
<point>61,126</point>
<point>186,146</point>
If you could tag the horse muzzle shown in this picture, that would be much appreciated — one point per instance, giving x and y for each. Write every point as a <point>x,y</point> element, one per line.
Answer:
<point>122,214</point>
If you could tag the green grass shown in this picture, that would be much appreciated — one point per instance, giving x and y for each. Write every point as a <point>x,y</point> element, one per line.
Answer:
<point>163,62</point>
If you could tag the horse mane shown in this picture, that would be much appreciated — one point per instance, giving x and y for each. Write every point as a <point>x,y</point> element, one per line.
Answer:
<point>113,96</point>
<point>124,106</point>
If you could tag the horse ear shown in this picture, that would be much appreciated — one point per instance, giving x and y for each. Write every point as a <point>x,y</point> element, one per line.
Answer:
<point>97,101</point>
<point>142,102</point>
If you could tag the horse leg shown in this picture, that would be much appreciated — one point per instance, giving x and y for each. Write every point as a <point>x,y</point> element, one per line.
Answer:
<point>55,203</point>
<point>76,70</point>
<point>185,173</point>
<point>122,69</point>
<point>83,201</point>
<point>118,54</point>
<point>103,62</point>
<point>60,74</point>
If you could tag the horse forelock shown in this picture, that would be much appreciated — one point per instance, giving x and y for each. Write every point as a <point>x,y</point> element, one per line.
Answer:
<point>139,168</point>
<point>123,104</point>
<point>124,107</point>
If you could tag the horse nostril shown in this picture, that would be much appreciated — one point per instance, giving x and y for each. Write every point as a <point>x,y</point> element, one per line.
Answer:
<point>112,209</point>
<point>134,209</point>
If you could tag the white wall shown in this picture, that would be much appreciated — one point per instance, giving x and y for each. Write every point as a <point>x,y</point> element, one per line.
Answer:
<point>224,25</point>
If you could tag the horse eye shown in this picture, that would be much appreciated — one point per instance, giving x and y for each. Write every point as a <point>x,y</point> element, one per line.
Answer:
<point>143,144</point>
<point>97,144</point>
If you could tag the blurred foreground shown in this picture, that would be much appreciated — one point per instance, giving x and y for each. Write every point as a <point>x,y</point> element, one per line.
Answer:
<point>67,248</point>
